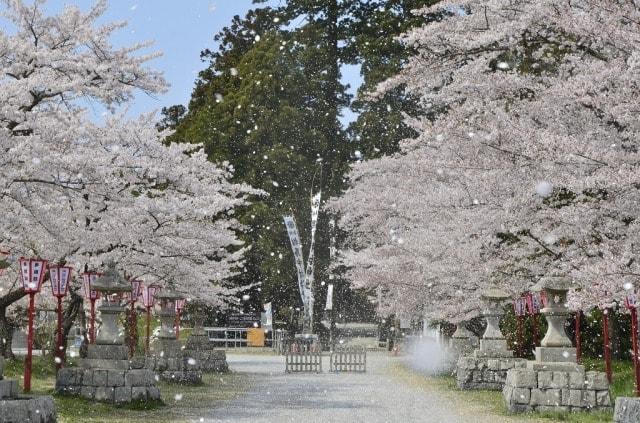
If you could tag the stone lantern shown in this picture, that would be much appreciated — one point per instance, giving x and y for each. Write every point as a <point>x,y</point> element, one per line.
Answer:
<point>112,286</point>
<point>554,381</point>
<point>201,349</point>
<point>107,374</point>
<point>487,367</point>
<point>167,355</point>
<point>493,343</point>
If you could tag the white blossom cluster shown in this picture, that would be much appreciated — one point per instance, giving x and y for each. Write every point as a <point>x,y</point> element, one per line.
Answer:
<point>526,163</point>
<point>84,193</point>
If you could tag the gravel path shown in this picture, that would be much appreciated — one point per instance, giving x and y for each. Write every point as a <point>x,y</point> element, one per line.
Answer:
<point>374,397</point>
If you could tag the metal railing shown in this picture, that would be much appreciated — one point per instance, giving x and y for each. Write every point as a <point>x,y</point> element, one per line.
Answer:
<point>348,359</point>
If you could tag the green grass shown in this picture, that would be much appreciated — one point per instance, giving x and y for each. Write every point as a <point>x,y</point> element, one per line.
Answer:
<point>180,403</point>
<point>492,402</point>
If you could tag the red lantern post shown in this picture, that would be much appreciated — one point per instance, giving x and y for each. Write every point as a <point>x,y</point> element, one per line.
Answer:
<point>631,302</point>
<point>148,300</point>
<point>136,292</point>
<point>32,272</point>
<point>88,278</point>
<point>180,303</point>
<point>519,307</point>
<point>59,276</point>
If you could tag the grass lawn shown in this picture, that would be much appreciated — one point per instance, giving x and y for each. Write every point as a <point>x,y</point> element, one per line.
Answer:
<point>181,403</point>
<point>492,402</point>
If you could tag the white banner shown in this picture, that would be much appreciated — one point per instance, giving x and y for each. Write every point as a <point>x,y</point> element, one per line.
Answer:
<point>267,317</point>
<point>296,247</point>
<point>329,305</point>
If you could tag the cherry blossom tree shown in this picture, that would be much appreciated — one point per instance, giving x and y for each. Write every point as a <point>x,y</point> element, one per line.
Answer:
<point>527,162</point>
<point>83,193</point>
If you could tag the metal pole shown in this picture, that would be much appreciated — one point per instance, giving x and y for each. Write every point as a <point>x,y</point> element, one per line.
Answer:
<point>92,323</point>
<point>607,345</point>
<point>28,359</point>
<point>59,353</point>
<point>578,342</point>
<point>634,342</point>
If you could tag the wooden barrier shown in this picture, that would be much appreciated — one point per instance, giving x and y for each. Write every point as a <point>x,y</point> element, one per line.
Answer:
<point>348,359</point>
<point>303,362</point>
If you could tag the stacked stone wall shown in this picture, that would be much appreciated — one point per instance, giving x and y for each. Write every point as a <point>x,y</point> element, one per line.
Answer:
<point>111,386</point>
<point>485,372</point>
<point>539,390</point>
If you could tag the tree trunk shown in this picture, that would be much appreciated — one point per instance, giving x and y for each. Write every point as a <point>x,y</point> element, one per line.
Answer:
<point>6,324</point>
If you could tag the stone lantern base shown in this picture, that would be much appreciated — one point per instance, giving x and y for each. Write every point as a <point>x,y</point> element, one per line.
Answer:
<point>172,364</point>
<point>486,369</point>
<point>627,410</point>
<point>107,375</point>
<point>461,343</point>
<point>22,408</point>
<point>208,358</point>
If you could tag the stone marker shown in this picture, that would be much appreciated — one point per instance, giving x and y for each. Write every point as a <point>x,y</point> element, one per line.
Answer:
<point>554,381</point>
<point>627,410</point>
<point>200,349</point>
<point>22,408</point>
<point>167,356</point>
<point>107,374</point>
<point>487,367</point>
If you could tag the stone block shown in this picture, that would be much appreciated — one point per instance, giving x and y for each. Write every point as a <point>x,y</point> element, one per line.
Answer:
<point>546,397</point>
<point>589,399</point>
<point>553,409</point>
<point>137,362</point>
<point>572,398</point>
<point>8,388</point>
<point>87,377</point>
<point>154,393</point>
<point>493,364</point>
<point>596,380</point>
<point>66,376</point>
<point>467,362</point>
<point>521,378</point>
<point>107,352</point>
<point>553,380</point>
<point>88,392</point>
<point>576,380</point>
<point>39,409</point>
<point>139,393</point>
<point>521,395</point>
<point>122,395</point>
<point>555,354</point>
<point>100,378</point>
<point>627,410</point>
<point>603,399</point>
<point>105,394</point>
<point>98,363</point>
<point>115,378</point>
<point>139,377</point>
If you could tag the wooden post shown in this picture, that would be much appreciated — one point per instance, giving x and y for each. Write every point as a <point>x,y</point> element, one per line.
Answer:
<point>607,345</point>
<point>578,342</point>
<point>92,323</point>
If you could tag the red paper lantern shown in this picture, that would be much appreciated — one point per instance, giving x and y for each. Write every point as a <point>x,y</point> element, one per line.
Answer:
<point>136,290</point>
<point>32,273</point>
<point>149,295</point>
<point>60,276</point>
<point>180,303</point>
<point>88,278</point>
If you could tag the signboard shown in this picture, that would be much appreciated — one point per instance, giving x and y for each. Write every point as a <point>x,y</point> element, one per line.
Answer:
<point>520,306</point>
<point>329,305</point>
<point>242,320</point>
<point>266,318</point>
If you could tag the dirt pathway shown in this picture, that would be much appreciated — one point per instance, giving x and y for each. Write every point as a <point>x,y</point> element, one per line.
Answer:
<point>381,395</point>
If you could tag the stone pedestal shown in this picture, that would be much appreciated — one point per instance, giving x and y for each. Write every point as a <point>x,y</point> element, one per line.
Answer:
<point>461,343</point>
<point>20,408</point>
<point>167,356</point>
<point>627,410</point>
<point>487,367</point>
<point>554,381</point>
<point>199,348</point>
<point>107,375</point>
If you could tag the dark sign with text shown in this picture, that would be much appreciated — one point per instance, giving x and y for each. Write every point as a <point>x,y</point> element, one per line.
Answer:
<point>243,320</point>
